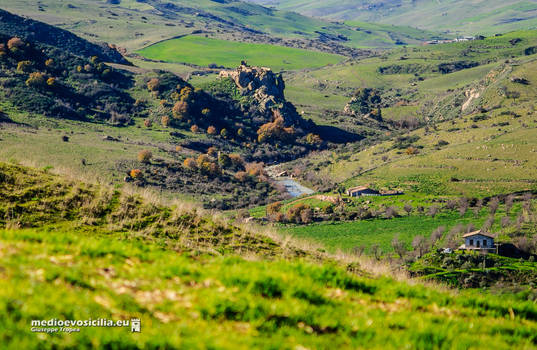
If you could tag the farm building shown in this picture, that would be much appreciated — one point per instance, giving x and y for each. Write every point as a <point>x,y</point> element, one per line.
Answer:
<point>362,191</point>
<point>478,241</point>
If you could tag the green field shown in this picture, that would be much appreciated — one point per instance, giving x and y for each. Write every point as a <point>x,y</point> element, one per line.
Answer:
<point>205,51</point>
<point>349,235</point>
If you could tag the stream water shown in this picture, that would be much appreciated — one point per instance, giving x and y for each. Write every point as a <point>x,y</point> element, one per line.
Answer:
<point>294,188</point>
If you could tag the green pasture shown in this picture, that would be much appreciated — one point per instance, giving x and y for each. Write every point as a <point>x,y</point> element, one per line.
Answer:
<point>205,51</point>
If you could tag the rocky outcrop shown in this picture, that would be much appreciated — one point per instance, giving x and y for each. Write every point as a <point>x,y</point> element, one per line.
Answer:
<point>266,88</point>
<point>260,82</point>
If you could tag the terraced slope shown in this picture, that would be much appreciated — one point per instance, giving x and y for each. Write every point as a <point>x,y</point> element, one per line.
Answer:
<point>181,273</point>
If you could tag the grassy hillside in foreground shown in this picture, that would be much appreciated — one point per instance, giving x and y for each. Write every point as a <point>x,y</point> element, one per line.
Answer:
<point>455,16</point>
<point>121,257</point>
<point>206,51</point>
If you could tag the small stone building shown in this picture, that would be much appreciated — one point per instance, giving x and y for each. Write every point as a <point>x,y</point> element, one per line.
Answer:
<point>478,241</point>
<point>362,191</point>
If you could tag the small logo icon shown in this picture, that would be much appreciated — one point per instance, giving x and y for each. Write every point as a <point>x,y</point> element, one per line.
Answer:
<point>136,325</point>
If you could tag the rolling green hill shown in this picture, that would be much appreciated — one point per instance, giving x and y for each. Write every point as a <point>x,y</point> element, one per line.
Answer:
<point>72,251</point>
<point>453,16</point>
<point>424,82</point>
<point>487,144</point>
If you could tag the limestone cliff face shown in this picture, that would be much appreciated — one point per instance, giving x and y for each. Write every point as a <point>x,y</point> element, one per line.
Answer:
<point>267,89</point>
<point>257,78</point>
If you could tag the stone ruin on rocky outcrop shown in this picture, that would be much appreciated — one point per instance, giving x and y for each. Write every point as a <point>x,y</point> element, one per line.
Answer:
<point>259,80</point>
<point>266,88</point>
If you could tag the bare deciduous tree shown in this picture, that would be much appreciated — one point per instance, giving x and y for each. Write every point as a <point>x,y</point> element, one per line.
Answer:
<point>523,243</point>
<point>493,205</point>
<point>399,246</point>
<point>478,207</point>
<point>463,206</point>
<point>451,204</point>
<point>453,238</point>
<point>375,249</point>
<point>527,205</point>
<point>408,208</point>
<point>359,250</point>
<point>506,221</point>
<point>509,203</point>
<point>391,212</point>
<point>519,221</point>
<point>433,210</point>
<point>470,228</point>
<point>419,243</point>
<point>487,225</point>
<point>306,216</point>
<point>436,235</point>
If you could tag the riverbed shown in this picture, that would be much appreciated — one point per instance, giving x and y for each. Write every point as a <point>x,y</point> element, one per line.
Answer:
<point>294,188</point>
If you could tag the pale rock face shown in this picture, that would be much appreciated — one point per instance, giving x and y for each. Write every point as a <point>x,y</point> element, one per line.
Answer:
<point>267,89</point>
<point>260,81</point>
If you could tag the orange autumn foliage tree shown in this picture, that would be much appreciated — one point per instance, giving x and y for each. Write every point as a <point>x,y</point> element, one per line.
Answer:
<point>136,173</point>
<point>145,156</point>
<point>180,110</point>
<point>211,130</point>
<point>15,44</point>
<point>153,84</point>
<point>190,163</point>
<point>36,79</point>
<point>275,130</point>
<point>165,121</point>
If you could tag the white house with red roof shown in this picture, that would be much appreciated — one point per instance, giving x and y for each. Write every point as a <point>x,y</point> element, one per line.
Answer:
<point>478,241</point>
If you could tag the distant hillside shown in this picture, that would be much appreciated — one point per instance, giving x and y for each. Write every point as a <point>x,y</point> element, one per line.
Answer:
<point>488,149</point>
<point>135,24</point>
<point>38,32</point>
<point>453,16</point>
